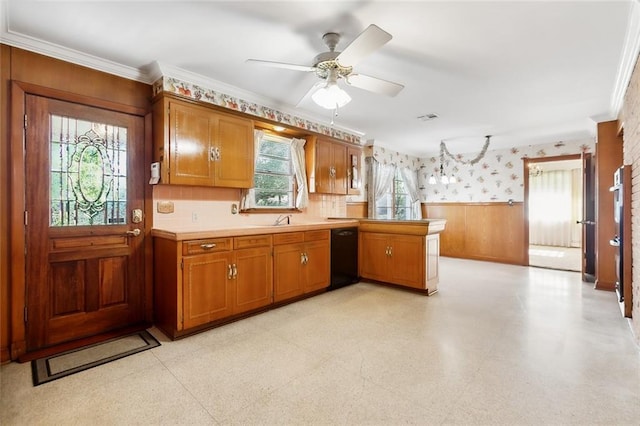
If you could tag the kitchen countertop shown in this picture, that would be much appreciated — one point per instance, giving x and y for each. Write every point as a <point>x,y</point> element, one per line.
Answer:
<point>410,227</point>
<point>180,233</point>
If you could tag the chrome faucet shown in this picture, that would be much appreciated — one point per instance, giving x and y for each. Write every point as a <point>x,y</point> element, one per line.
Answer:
<point>281,219</point>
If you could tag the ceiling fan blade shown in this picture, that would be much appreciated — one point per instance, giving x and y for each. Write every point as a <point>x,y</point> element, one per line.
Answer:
<point>372,38</point>
<point>284,65</point>
<point>374,84</point>
<point>310,92</point>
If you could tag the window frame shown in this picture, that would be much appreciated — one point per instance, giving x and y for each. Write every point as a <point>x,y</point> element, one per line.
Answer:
<point>393,195</point>
<point>294,187</point>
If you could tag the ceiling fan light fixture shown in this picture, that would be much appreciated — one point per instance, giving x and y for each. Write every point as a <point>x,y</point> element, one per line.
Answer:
<point>331,96</point>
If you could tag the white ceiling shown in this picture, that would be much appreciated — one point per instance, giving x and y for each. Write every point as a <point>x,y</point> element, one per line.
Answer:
<point>525,72</point>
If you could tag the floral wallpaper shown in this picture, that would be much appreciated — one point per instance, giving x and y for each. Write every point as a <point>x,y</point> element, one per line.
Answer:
<point>193,91</point>
<point>388,156</point>
<point>496,177</point>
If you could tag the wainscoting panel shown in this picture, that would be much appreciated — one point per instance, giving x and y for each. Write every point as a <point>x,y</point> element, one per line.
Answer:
<point>481,231</point>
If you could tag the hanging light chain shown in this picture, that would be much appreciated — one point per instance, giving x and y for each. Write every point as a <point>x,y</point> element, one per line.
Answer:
<point>480,156</point>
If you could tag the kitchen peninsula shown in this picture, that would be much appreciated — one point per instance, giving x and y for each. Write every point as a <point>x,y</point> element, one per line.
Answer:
<point>208,277</point>
<point>401,252</point>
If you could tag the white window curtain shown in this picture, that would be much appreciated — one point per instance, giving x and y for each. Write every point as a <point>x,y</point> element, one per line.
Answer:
<point>379,182</point>
<point>249,195</point>
<point>410,179</point>
<point>297,158</point>
<point>555,198</point>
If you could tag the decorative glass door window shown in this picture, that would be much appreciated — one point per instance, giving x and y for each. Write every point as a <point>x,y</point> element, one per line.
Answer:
<point>88,173</point>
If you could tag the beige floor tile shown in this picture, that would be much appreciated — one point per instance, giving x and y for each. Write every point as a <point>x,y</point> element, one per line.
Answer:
<point>498,344</point>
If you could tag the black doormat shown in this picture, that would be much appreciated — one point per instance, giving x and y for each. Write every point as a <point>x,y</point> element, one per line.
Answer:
<point>70,362</point>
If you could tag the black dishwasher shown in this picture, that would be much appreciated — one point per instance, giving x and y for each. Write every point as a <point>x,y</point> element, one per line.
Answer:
<point>344,257</point>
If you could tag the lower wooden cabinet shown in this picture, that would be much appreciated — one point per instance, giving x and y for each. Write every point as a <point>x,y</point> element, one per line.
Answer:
<point>397,259</point>
<point>301,263</point>
<point>199,282</point>
<point>403,259</point>
<point>207,293</point>
<point>252,278</point>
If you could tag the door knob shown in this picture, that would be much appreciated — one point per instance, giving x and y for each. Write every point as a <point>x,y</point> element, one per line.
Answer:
<point>133,233</point>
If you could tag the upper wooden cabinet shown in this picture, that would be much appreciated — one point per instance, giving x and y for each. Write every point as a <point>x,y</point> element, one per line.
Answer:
<point>329,166</point>
<point>197,145</point>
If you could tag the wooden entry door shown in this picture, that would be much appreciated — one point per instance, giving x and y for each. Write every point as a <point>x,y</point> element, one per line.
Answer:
<point>84,221</point>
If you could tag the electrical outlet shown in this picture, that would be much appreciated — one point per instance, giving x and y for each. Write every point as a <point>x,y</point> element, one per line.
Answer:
<point>194,216</point>
<point>234,208</point>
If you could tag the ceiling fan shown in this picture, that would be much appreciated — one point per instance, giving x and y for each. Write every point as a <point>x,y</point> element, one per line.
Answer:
<point>332,66</point>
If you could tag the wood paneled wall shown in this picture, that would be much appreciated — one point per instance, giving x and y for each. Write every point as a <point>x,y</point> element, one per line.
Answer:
<point>608,158</point>
<point>5,260</point>
<point>481,231</point>
<point>38,74</point>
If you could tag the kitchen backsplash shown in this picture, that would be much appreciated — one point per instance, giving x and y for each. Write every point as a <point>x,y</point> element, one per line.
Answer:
<point>201,207</point>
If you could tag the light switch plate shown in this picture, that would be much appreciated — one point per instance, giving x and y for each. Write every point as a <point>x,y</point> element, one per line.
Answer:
<point>165,207</point>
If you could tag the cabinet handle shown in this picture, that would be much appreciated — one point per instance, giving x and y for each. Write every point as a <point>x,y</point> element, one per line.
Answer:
<point>235,271</point>
<point>302,258</point>
<point>332,171</point>
<point>214,153</point>
<point>230,274</point>
<point>208,246</point>
<point>390,251</point>
<point>306,258</point>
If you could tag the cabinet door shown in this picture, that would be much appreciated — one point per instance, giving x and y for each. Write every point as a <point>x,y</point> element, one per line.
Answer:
<point>323,170</point>
<point>206,292</point>
<point>373,257</point>
<point>253,279</point>
<point>407,260</point>
<point>191,134</point>
<point>354,179</point>
<point>234,140</point>
<point>317,270</point>
<point>287,274</point>
<point>339,164</point>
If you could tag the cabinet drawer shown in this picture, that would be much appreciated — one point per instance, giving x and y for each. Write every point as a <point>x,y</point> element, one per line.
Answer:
<point>288,238</point>
<point>322,234</point>
<point>206,246</point>
<point>252,241</point>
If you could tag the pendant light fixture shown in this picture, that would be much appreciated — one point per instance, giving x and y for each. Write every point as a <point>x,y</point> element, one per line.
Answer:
<point>444,178</point>
<point>331,96</point>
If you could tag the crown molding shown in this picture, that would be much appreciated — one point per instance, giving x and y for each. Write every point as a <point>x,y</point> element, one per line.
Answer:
<point>630,51</point>
<point>73,56</point>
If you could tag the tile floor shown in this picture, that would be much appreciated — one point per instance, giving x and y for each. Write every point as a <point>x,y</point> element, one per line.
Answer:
<point>565,258</point>
<point>499,344</point>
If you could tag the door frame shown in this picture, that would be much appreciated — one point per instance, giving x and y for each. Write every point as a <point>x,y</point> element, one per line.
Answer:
<point>17,197</point>
<point>525,177</point>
